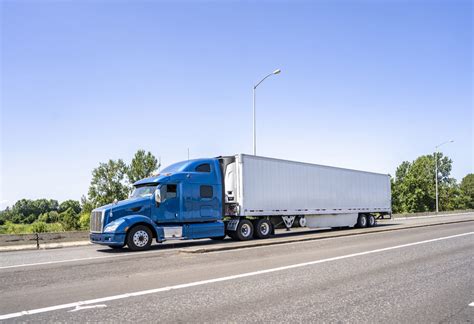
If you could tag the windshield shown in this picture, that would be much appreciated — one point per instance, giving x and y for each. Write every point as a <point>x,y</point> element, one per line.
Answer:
<point>143,191</point>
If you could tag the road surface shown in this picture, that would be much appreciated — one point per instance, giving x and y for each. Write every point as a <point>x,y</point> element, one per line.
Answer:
<point>421,274</point>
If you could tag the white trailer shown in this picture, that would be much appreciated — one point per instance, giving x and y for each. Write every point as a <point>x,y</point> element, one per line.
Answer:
<point>262,188</point>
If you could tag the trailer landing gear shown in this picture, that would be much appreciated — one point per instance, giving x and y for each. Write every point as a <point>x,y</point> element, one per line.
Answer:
<point>288,221</point>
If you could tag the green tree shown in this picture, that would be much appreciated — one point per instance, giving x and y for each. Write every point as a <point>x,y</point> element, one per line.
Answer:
<point>69,219</point>
<point>74,204</point>
<point>467,188</point>
<point>108,183</point>
<point>86,205</point>
<point>142,166</point>
<point>413,189</point>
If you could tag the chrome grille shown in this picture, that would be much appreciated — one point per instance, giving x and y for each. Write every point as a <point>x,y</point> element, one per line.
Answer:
<point>97,220</point>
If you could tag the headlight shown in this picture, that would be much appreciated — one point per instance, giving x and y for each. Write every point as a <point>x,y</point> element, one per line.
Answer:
<point>111,227</point>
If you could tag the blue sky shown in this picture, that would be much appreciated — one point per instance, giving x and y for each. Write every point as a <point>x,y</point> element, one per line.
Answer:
<point>364,85</point>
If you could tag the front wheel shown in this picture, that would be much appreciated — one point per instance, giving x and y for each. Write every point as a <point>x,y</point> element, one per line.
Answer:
<point>139,238</point>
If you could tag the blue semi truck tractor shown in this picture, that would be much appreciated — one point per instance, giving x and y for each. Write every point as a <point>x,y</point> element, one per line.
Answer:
<point>240,196</point>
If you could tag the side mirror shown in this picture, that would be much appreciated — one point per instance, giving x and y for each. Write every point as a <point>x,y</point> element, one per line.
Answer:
<point>158,196</point>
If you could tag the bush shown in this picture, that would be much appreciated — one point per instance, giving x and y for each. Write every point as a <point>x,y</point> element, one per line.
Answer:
<point>39,227</point>
<point>10,228</point>
<point>54,227</point>
<point>84,221</point>
<point>36,227</point>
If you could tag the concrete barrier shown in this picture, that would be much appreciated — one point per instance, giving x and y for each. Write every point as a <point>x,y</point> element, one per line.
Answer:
<point>42,238</point>
<point>432,213</point>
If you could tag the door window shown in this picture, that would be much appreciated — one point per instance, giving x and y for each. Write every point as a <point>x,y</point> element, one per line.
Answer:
<point>169,191</point>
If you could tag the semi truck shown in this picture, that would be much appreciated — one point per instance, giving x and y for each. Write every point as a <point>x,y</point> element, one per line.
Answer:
<point>241,196</point>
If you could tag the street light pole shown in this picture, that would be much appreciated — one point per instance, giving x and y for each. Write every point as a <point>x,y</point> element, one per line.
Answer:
<point>254,111</point>
<point>436,170</point>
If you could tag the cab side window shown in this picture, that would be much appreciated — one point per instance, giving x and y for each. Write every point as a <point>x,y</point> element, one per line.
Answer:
<point>171,191</point>
<point>205,167</point>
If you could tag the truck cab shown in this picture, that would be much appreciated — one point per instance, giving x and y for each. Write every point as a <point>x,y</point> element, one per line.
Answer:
<point>183,201</point>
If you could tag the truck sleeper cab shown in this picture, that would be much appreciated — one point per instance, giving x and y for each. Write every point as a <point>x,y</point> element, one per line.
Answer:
<point>242,197</point>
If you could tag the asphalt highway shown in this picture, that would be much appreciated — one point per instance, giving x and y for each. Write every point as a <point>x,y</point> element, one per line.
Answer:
<point>420,274</point>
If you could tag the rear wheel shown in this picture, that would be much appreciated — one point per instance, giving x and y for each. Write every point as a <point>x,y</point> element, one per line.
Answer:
<point>263,228</point>
<point>370,220</point>
<point>362,221</point>
<point>244,230</point>
<point>139,238</point>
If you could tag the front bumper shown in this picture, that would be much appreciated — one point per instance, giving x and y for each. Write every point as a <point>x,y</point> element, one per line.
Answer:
<point>117,239</point>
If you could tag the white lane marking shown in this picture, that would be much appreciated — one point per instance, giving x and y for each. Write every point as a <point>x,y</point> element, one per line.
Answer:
<point>209,281</point>
<point>471,304</point>
<point>80,259</point>
<point>78,308</point>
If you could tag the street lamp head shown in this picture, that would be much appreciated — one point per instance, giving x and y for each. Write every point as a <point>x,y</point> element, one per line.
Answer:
<point>276,71</point>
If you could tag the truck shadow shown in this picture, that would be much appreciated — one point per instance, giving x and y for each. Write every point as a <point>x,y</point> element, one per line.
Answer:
<point>280,233</point>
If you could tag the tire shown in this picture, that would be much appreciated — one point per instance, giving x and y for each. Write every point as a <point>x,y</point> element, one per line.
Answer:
<point>139,238</point>
<point>262,228</point>
<point>302,221</point>
<point>116,247</point>
<point>244,230</point>
<point>371,220</point>
<point>362,221</point>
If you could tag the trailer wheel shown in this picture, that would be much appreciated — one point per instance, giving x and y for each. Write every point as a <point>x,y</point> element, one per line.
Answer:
<point>370,220</point>
<point>263,228</point>
<point>362,221</point>
<point>139,238</point>
<point>244,230</point>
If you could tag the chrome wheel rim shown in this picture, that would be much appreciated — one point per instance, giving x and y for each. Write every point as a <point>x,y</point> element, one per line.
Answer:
<point>363,221</point>
<point>140,238</point>
<point>264,228</point>
<point>245,230</point>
